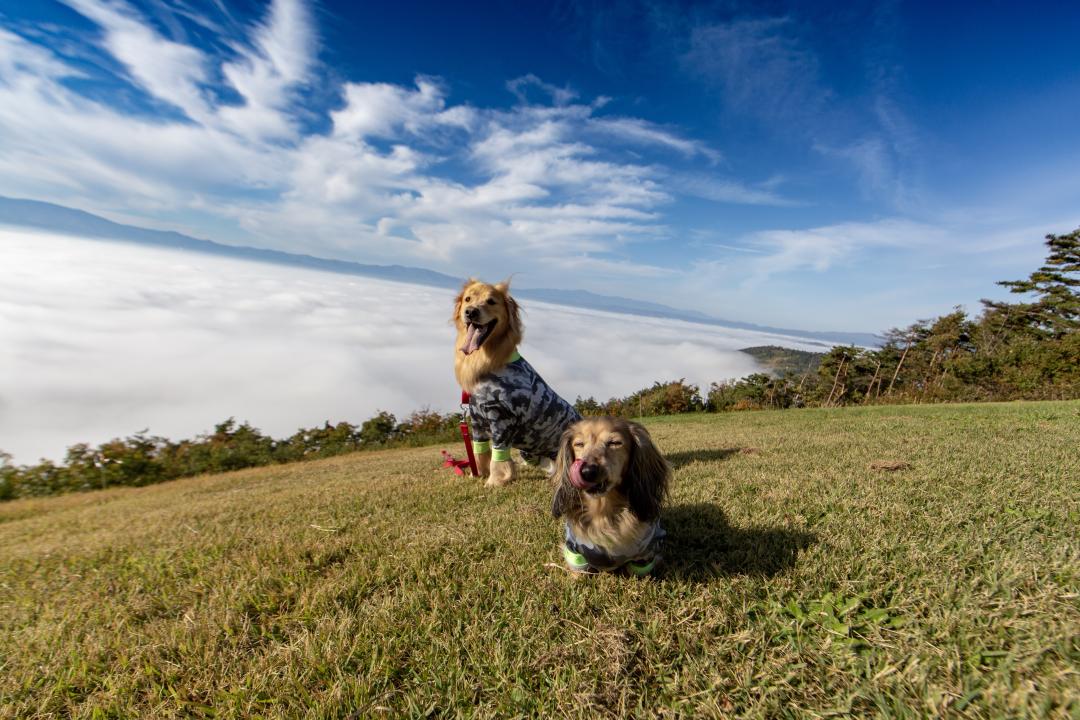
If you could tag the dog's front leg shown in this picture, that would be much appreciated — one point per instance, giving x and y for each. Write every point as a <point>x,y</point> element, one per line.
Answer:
<point>503,472</point>
<point>483,463</point>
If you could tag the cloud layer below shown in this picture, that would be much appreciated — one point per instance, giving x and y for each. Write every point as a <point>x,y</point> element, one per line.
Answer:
<point>104,339</point>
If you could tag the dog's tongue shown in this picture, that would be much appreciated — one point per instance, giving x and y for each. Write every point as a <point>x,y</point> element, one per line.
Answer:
<point>470,345</point>
<point>575,475</point>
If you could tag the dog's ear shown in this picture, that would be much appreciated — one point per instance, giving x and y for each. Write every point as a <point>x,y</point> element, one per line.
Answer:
<point>566,497</point>
<point>513,311</point>
<point>646,478</point>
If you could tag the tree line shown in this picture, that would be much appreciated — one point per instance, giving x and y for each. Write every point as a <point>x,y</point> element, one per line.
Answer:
<point>146,459</point>
<point>1026,350</point>
<point>1020,350</point>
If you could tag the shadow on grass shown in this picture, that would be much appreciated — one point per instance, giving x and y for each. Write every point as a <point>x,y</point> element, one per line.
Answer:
<point>701,545</point>
<point>678,459</point>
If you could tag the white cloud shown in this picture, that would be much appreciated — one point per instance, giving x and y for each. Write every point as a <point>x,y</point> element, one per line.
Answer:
<point>104,339</point>
<point>866,275</point>
<point>24,64</point>
<point>382,110</point>
<point>402,174</point>
<point>822,248</point>
<point>277,57</point>
<point>169,71</point>
<point>520,86</point>
<point>647,133</point>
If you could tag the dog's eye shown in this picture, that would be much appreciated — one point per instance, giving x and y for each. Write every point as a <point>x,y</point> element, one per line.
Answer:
<point>491,301</point>
<point>614,442</point>
<point>579,443</point>
<point>468,299</point>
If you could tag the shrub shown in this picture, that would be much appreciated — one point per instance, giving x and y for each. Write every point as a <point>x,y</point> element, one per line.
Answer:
<point>378,430</point>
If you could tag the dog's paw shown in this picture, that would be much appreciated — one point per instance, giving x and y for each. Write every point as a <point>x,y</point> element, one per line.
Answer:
<point>483,464</point>
<point>494,482</point>
<point>503,472</point>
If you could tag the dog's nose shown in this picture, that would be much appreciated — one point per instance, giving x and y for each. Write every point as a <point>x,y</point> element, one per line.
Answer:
<point>590,473</point>
<point>472,313</point>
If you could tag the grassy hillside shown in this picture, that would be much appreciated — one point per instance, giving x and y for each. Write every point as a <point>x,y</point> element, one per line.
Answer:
<point>801,581</point>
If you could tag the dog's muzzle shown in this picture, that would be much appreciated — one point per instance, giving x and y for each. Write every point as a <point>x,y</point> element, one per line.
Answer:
<point>586,476</point>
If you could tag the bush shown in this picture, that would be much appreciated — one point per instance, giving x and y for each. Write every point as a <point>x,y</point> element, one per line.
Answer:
<point>426,426</point>
<point>379,429</point>
<point>325,441</point>
<point>670,398</point>
<point>588,406</point>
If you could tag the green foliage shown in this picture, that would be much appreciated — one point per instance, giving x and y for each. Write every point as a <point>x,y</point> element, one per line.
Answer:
<point>229,447</point>
<point>426,426</point>
<point>758,391</point>
<point>668,398</point>
<point>588,406</point>
<point>784,361</point>
<point>319,442</point>
<point>1055,311</point>
<point>379,429</point>
<point>7,477</point>
<point>145,460</point>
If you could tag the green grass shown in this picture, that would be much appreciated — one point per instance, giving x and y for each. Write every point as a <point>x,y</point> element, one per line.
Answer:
<point>799,583</point>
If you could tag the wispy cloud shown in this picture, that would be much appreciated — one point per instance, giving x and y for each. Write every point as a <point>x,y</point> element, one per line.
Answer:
<point>821,248</point>
<point>723,190</point>
<point>760,66</point>
<point>882,272</point>
<point>766,68</point>
<point>520,88</point>
<point>640,131</point>
<point>396,174</point>
<point>280,58</point>
<point>169,71</point>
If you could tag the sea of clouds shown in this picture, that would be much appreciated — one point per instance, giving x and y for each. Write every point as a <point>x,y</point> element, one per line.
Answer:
<point>101,339</point>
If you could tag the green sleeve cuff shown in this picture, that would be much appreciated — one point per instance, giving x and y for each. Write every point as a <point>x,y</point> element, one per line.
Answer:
<point>500,454</point>
<point>481,447</point>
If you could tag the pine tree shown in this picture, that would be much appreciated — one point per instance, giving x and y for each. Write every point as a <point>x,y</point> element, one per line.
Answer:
<point>1056,311</point>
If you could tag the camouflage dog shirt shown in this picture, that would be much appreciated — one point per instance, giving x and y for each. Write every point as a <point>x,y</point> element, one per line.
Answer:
<point>514,407</point>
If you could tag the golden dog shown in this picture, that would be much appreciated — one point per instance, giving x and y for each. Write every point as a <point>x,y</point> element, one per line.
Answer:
<point>511,405</point>
<point>611,482</point>
<point>489,330</point>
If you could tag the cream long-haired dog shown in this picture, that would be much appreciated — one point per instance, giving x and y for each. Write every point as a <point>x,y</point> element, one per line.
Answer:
<point>610,485</point>
<point>510,404</point>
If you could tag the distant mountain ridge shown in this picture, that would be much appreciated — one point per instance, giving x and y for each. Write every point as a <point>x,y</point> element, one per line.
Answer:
<point>48,216</point>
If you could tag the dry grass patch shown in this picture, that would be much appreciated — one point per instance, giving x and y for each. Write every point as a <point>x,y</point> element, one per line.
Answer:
<point>798,582</point>
<point>890,465</point>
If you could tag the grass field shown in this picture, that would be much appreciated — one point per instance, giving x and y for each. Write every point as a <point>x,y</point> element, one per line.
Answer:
<point>800,581</point>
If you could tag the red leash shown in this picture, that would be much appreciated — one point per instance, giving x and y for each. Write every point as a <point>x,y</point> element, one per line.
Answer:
<point>465,433</point>
<point>449,461</point>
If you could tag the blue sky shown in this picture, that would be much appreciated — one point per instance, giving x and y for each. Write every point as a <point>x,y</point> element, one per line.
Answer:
<point>825,166</point>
